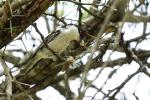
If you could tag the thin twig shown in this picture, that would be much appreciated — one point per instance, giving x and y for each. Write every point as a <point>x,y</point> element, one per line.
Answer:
<point>80,17</point>
<point>19,84</point>
<point>84,8</point>
<point>61,20</point>
<point>66,81</point>
<point>42,37</point>
<point>47,23</point>
<point>87,67</point>
<point>8,79</point>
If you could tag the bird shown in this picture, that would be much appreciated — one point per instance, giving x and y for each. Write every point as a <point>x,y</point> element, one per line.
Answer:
<point>58,43</point>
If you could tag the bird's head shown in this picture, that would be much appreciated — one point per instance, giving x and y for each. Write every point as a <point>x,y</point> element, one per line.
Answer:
<point>73,33</point>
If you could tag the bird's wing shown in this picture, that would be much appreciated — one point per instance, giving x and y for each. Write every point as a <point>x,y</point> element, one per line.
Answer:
<point>48,39</point>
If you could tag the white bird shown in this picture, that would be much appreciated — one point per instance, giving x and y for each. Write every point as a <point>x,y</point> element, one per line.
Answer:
<point>58,45</point>
<point>61,41</point>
